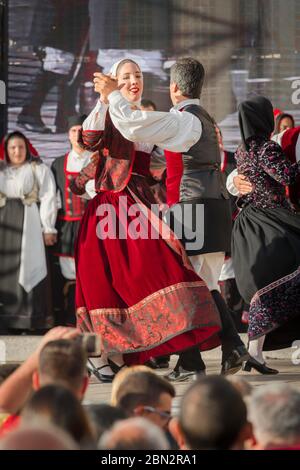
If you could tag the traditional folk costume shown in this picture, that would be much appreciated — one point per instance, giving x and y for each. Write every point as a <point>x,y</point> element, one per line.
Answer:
<point>266,235</point>
<point>71,210</point>
<point>27,209</point>
<point>193,178</point>
<point>141,295</point>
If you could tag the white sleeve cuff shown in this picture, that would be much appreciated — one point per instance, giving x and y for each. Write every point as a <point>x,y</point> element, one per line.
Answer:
<point>230,185</point>
<point>96,119</point>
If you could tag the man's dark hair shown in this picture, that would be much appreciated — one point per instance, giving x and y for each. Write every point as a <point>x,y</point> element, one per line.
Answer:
<point>188,74</point>
<point>148,104</point>
<point>60,407</point>
<point>142,388</point>
<point>212,414</point>
<point>63,361</point>
<point>104,416</point>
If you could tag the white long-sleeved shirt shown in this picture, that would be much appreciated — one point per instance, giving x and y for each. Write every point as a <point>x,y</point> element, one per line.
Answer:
<point>76,161</point>
<point>175,130</point>
<point>16,182</point>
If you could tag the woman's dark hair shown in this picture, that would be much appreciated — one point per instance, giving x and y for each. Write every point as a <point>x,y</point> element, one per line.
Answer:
<point>104,416</point>
<point>60,407</point>
<point>279,119</point>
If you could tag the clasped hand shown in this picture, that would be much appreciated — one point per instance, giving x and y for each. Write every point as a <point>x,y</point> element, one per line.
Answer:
<point>105,85</point>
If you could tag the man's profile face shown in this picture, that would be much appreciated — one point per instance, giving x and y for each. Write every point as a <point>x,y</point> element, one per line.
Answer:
<point>161,413</point>
<point>173,89</point>
<point>74,135</point>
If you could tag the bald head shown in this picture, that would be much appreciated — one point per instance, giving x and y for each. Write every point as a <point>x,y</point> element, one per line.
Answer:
<point>134,434</point>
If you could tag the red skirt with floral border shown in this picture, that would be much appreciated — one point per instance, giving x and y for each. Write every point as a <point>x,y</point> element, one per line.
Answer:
<point>139,294</point>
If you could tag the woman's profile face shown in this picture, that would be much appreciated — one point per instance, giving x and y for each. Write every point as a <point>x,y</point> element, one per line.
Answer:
<point>131,76</point>
<point>16,149</point>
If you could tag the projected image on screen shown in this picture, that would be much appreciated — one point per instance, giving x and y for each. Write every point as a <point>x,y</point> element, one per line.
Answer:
<point>57,45</point>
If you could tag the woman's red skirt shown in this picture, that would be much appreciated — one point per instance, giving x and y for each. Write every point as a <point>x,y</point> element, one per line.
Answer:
<point>137,293</point>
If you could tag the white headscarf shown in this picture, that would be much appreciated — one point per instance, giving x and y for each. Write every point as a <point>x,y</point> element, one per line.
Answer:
<point>114,68</point>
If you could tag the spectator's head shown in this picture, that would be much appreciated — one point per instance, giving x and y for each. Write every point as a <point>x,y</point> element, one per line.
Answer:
<point>58,406</point>
<point>16,149</point>
<point>186,81</point>
<point>121,377</point>
<point>274,411</point>
<point>282,122</point>
<point>74,128</point>
<point>147,395</point>
<point>62,362</point>
<point>38,437</point>
<point>213,415</point>
<point>134,434</point>
<point>147,105</point>
<point>130,76</point>
<point>103,417</point>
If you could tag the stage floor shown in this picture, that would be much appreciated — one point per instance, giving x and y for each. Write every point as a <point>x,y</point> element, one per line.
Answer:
<point>289,373</point>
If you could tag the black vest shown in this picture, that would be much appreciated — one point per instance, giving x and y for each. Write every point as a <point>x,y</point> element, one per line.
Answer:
<point>202,183</point>
<point>201,176</point>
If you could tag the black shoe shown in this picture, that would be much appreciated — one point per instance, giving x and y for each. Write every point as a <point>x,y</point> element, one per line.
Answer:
<point>157,363</point>
<point>234,361</point>
<point>105,378</point>
<point>152,364</point>
<point>182,375</point>
<point>261,368</point>
<point>114,367</point>
<point>162,364</point>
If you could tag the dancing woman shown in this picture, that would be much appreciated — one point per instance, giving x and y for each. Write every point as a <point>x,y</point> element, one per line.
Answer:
<point>141,295</point>
<point>266,237</point>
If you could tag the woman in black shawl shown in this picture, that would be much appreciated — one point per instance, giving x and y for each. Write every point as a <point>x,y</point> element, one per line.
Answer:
<point>266,237</point>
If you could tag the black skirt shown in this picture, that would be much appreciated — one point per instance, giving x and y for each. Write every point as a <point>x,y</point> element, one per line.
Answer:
<point>266,258</point>
<point>66,235</point>
<point>202,225</point>
<point>19,309</point>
